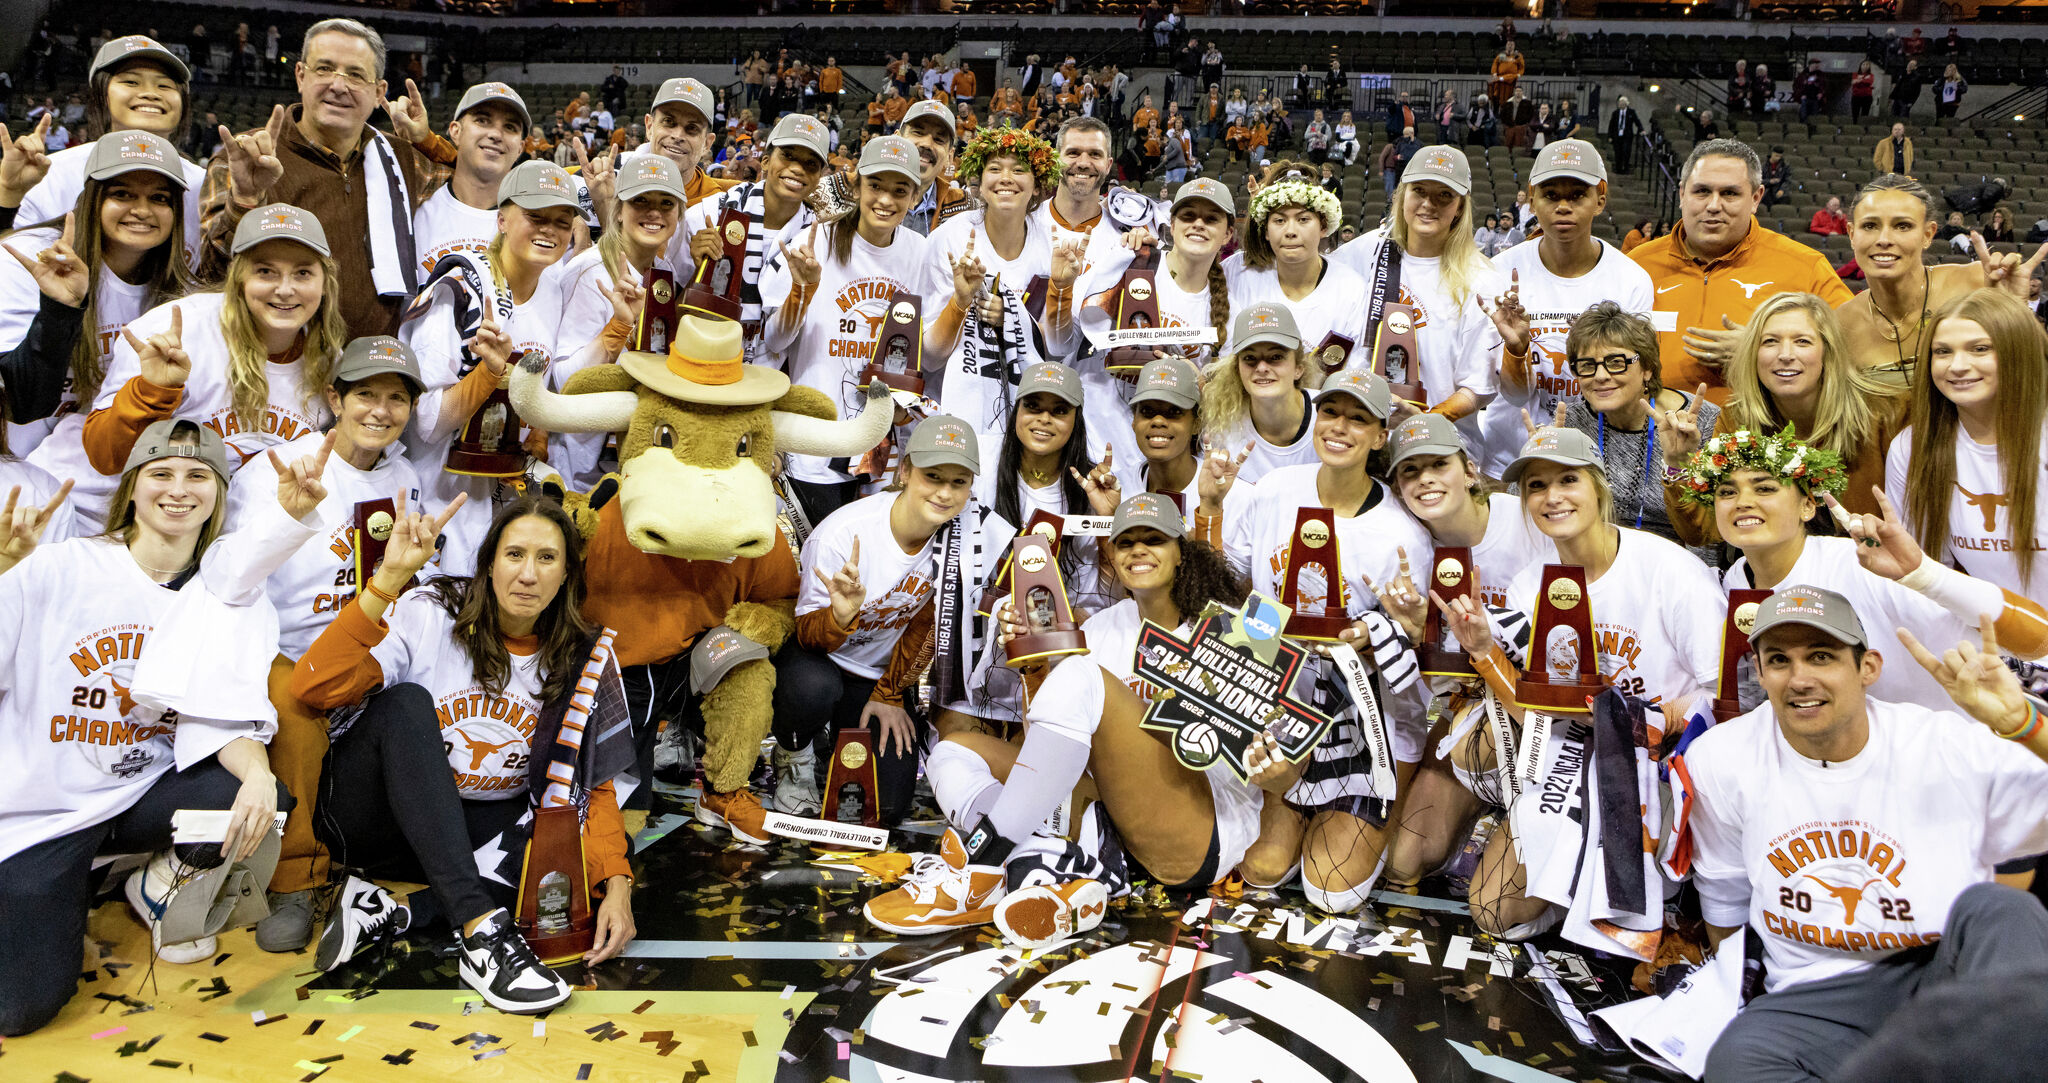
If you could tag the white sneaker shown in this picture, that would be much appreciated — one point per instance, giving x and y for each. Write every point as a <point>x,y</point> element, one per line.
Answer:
<point>363,913</point>
<point>497,962</point>
<point>796,781</point>
<point>150,891</point>
<point>1039,916</point>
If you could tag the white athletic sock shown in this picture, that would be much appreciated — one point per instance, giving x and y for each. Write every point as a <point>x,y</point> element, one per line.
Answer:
<point>1045,772</point>
<point>962,784</point>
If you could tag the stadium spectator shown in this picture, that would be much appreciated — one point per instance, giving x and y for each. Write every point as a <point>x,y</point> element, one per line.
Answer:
<point>1394,158</point>
<point>1810,90</point>
<point>1482,123</point>
<point>1829,221</point>
<point>1738,88</point>
<point>613,90</point>
<point>1978,197</point>
<point>1915,44</point>
<point>1763,91</point>
<point>1705,127</point>
<point>1624,128</point>
<point>1720,263</point>
<point>1508,67</point>
<point>1953,227</point>
<point>322,156</point>
<point>1449,118</point>
<point>1212,66</point>
<point>1490,238</point>
<point>1998,230</point>
<point>1776,175</point>
<point>1515,116</point>
<point>963,83</point>
<point>753,74</point>
<point>1543,129</point>
<point>1862,89</point>
<point>1336,86</point>
<point>831,81</point>
<point>1641,232</point>
<point>1949,92</point>
<point>1400,116</point>
<point>1906,89</point>
<point>1315,138</point>
<point>1893,153</point>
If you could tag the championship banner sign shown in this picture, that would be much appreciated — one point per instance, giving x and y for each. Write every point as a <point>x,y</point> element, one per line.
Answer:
<point>1225,685</point>
<point>1151,336</point>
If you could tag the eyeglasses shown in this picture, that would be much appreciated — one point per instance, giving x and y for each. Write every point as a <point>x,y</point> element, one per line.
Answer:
<point>328,73</point>
<point>1614,363</point>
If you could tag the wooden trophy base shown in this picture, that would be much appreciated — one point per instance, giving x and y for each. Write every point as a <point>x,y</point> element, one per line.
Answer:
<point>1414,393</point>
<point>1442,662</point>
<point>895,381</point>
<point>1555,698</point>
<point>1027,648</point>
<point>485,464</point>
<point>1128,359</point>
<point>562,948</point>
<point>556,844</point>
<point>1317,627</point>
<point>853,763</point>
<point>1725,709</point>
<point>703,302</point>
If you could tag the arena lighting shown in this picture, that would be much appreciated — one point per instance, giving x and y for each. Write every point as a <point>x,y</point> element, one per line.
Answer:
<point>1656,88</point>
<point>2019,116</point>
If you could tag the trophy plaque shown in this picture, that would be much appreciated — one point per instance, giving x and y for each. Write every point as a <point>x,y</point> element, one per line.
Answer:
<point>853,764</point>
<point>1564,669</point>
<point>1043,523</point>
<point>1039,596</point>
<point>658,316</point>
<point>715,292</point>
<point>489,444</point>
<point>1334,352</point>
<point>1314,546</point>
<point>370,534</point>
<point>555,915</point>
<point>1396,357</point>
<point>1137,308</point>
<point>899,348</point>
<point>1742,606</point>
<point>1452,577</point>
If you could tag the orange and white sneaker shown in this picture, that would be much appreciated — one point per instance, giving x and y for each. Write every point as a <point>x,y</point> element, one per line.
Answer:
<point>1035,917</point>
<point>941,892</point>
<point>739,812</point>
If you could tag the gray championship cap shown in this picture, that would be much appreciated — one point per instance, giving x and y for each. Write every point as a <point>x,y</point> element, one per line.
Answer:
<point>375,355</point>
<point>891,154</point>
<point>1052,378</point>
<point>138,47</point>
<point>716,653</point>
<point>1566,447</point>
<point>1819,609</point>
<point>1266,321</point>
<point>689,92</point>
<point>643,173</point>
<point>156,443</point>
<point>800,130</point>
<point>485,93</point>
<point>941,440</point>
<point>1568,158</point>
<point>930,109</point>
<point>125,152</point>
<point>537,186</point>
<point>1365,385</point>
<point>1169,379</point>
<point>1152,510</point>
<point>1204,188</point>
<point>1424,434</point>
<point>279,222</point>
<point>1445,165</point>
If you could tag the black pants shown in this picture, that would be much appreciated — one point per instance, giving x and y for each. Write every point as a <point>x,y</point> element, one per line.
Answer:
<point>660,691</point>
<point>389,807</point>
<point>1624,154</point>
<point>47,889</point>
<point>822,498</point>
<point>814,697</point>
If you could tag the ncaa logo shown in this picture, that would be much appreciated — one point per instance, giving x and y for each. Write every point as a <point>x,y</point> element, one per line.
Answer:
<point>1563,593</point>
<point>903,312</point>
<point>1399,323</point>
<point>1745,617</point>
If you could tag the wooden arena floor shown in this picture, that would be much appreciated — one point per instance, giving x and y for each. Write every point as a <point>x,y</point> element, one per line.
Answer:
<point>755,964</point>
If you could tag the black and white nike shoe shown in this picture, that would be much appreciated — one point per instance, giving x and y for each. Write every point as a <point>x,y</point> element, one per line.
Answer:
<point>363,914</point>
<point>497,963</point>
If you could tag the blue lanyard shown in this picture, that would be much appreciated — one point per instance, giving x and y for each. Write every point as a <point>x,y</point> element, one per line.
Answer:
<point>1649,456</point>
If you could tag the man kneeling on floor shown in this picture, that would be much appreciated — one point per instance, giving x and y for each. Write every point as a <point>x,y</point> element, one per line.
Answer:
<point>1858,837</point>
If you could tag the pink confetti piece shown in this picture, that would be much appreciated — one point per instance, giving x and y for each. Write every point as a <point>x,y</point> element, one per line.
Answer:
<point>110,1032</point>
<point>845,1050</point>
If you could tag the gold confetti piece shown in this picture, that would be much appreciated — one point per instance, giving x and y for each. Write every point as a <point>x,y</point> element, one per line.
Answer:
<point>1565,1049</point>
<point>1515,1036</point>
<point>745,982</point>
<point>1426,1026</point>
<point>1481,1046</point>
<point>1102,1008</point>
<point>1539,1060</point>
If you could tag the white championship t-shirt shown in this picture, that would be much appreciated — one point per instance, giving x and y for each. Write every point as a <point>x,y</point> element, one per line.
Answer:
<point>445,224</point>
<point>1657,618</point>
<point>488,738</point>
<point>117,303</point>
<point>1979,523</point>
<point>288,413</point>
<point>1838,866</point>
<point>841,325</point>
<point>60,188</point>
<point>1267,456</point>
<point>1511,544</point>
<point>898,583</point>
<point>1335,306</point>
<point>971,396</point>
<point>320,576</point>
<point>1259,538</point>
<point>1552,303</point>
<point>1107,401</point>
<point>1460,346</point>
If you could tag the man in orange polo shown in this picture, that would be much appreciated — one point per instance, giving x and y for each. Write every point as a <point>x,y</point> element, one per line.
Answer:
<point>1720,263</point>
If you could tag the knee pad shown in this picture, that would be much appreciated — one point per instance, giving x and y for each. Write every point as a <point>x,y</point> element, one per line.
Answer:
<point>1070,700</point>
<point>1287,878</point>
<point>1543,923</point>
<point>959,779</point>
<point>1336,900</point>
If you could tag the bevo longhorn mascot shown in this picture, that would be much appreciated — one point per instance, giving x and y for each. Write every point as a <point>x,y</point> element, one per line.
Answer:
<point>691,543</point>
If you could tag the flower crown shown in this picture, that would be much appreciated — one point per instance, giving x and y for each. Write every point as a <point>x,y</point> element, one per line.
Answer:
<point>1293,192</point>
<point>1785,456</point>
<point>1009,143</point>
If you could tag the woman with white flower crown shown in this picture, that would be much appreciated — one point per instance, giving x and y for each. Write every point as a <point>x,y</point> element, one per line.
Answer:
<point>1425,256</point>
<point>1282,261</point>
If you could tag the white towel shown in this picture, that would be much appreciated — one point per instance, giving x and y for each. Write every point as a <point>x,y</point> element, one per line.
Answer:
<point>392,263</point>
